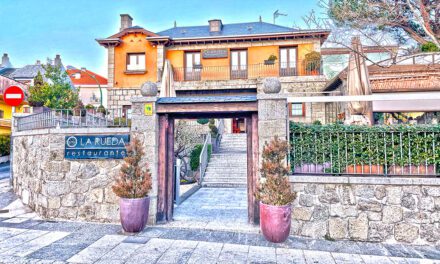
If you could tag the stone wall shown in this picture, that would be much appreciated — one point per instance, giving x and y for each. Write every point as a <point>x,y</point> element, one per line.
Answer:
<point>403,210</point>
<point>118,97</point>
<point>58,188</point>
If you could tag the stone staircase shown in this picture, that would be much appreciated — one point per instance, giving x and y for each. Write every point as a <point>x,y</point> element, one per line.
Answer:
<point>228,167</point>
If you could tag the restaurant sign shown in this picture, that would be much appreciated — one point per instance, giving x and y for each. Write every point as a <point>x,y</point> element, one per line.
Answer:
<point>96,147</point>
<point>215,53</point>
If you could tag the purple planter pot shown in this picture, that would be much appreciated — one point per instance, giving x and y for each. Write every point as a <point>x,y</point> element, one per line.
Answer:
<point>275,222</point>
<point>134,213</point>
<point>312,168</point>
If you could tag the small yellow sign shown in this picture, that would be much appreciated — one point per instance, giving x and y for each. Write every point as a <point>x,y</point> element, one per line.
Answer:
<point>148,109</point>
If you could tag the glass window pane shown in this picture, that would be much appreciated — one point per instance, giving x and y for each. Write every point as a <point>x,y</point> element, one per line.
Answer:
<point>189,60</point>
<point>283,58</point>
<point>297,109</point>
<point>292,58</point>
<point>243,59</point>
<point>196,58</point>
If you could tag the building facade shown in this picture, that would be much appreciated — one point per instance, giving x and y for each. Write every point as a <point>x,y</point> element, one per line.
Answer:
<point>217,59</point>
<point>92,86</point>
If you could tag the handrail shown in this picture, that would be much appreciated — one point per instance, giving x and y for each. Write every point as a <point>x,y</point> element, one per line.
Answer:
<point>204,157</point>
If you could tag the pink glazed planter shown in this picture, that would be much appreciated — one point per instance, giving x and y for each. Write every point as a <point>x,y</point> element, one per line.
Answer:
<point>134,213</point>
<point>275,222</point>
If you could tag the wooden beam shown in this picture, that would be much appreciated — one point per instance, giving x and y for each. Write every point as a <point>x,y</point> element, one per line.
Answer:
<point>207,108</point>
<point>161,169</point>
<point>170,170</point>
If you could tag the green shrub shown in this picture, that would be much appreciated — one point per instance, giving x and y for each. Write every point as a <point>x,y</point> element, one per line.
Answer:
<point>429,47</point>
<point>121,121</point>
<point>194,161</point>
<point>342,146</point>
<point>5,143</point>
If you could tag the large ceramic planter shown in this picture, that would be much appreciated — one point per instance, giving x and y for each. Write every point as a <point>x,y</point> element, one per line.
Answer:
<point>275,222</point>
<point>365,169</point>
<point>312,168</point>
<point>412,170</point>
<point>134,213</point>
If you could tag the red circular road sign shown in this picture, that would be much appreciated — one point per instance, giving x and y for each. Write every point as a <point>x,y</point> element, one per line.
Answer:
<point>13,96</point>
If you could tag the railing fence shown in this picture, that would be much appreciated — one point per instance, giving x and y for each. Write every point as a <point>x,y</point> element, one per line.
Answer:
<point>204,157</point>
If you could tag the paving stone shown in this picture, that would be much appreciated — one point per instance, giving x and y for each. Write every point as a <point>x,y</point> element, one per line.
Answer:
<point>151,251</point>
<point>108,241</point>
<point>205,253</point>
<point>262,255</point>
<point>152,232</point>
<point>6,232</point>
<point>234,254</point>
<point>58,251</point>
<point>60,226</point>
<point>369,259</point>
<point>179,252</point>
<point>397,250</point>
<point>428,251</point>
<point>285,255</point>
<point>89,255</point>
<point>373,249</point>
<point>136,239</point>
<point>18,240</point>
<point>344,258</point>
<point>36,244</point>
<point>121,252</point>
<point>318,257</point>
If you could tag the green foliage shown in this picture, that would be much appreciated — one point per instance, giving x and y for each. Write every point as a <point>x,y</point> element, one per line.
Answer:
<point>56,93</point>
<point>134,179</point>
<point>5,144</point>
<point>342,146</point>
<point>121,121</point>
<point>194,160</point>
<point>275,188</point>
<point>79,109</point>
<point>101,109</point>
<point>312,61</point>
<point>272,57</point>
<point>213,128</point>
<point>203,121</point>
<point>90,107</point>
<point>429,47</point>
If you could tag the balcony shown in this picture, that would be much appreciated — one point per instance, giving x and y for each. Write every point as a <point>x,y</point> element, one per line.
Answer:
<point>254,71</point>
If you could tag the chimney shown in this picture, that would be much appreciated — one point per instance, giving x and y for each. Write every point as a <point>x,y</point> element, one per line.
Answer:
<point>83,69</point>
<point>215,25</point>
<point>5,61</point>
<point>38,62</point>
<point>126,21</point>
<point>57,61</point>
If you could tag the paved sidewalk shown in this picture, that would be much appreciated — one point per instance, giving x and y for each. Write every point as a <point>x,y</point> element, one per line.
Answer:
<point>24,238</point>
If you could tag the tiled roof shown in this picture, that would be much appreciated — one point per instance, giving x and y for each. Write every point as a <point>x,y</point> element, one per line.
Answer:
<point>6,71</point>
<point>207,99</point>
<point>28,71</point>
<point>238,29</point>
<point>85,78</point>
<point>6,82</point>
<point>134,29</point>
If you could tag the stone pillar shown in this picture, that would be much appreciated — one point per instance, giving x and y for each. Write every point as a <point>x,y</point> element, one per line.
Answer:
<point>272,118</point>
<point>160,61</point>
<point>146,128</point>
<point>111,66</point>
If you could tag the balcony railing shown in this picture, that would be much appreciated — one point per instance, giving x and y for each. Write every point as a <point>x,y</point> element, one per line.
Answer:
<point>254,71</point>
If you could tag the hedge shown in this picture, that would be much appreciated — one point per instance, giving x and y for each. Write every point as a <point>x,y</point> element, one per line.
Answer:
<point>5,144</point>
<point>342,146</point>
<point>194,161</point>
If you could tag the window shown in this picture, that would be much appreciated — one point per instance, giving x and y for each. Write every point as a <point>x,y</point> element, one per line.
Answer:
<point>288,61</point>
<point>192,66</point>
<point>136,62</point>
<point>297,109</point>
<point>126,111</point>
<point>238,64</point>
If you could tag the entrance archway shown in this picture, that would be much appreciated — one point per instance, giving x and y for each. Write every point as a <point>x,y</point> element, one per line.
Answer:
<point>171,108</point>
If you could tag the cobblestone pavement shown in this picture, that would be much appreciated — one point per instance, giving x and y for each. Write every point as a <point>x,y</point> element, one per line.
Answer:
<point>26,239</point>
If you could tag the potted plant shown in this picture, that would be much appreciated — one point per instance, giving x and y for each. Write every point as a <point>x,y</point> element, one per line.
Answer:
<point>312,63</point>
<point>275,194</point>
<point>271,60</point>
<point>133,186</point>
<point>214,135</point>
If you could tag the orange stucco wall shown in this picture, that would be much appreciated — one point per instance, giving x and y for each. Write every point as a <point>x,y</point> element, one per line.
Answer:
<point>303,49</point>
<point>134,43</point>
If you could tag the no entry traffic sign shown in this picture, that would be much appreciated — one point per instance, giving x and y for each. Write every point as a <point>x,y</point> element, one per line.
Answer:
<point>13,96</point>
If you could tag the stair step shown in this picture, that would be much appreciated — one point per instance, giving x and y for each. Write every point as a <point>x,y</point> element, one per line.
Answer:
<point>224,185</point>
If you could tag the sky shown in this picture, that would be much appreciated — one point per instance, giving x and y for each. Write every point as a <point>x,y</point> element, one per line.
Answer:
<point>33,30</point>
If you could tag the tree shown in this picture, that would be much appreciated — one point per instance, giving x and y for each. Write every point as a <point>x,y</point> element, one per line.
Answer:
<point>133,180</point>
<point>56,92</point>
<point>276,189</point>
<point>419,19</point>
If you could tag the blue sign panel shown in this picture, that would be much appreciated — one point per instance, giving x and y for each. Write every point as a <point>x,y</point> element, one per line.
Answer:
<point>96,147</point>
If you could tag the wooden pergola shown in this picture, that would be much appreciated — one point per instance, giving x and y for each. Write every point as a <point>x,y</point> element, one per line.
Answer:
<point>171,108</point>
